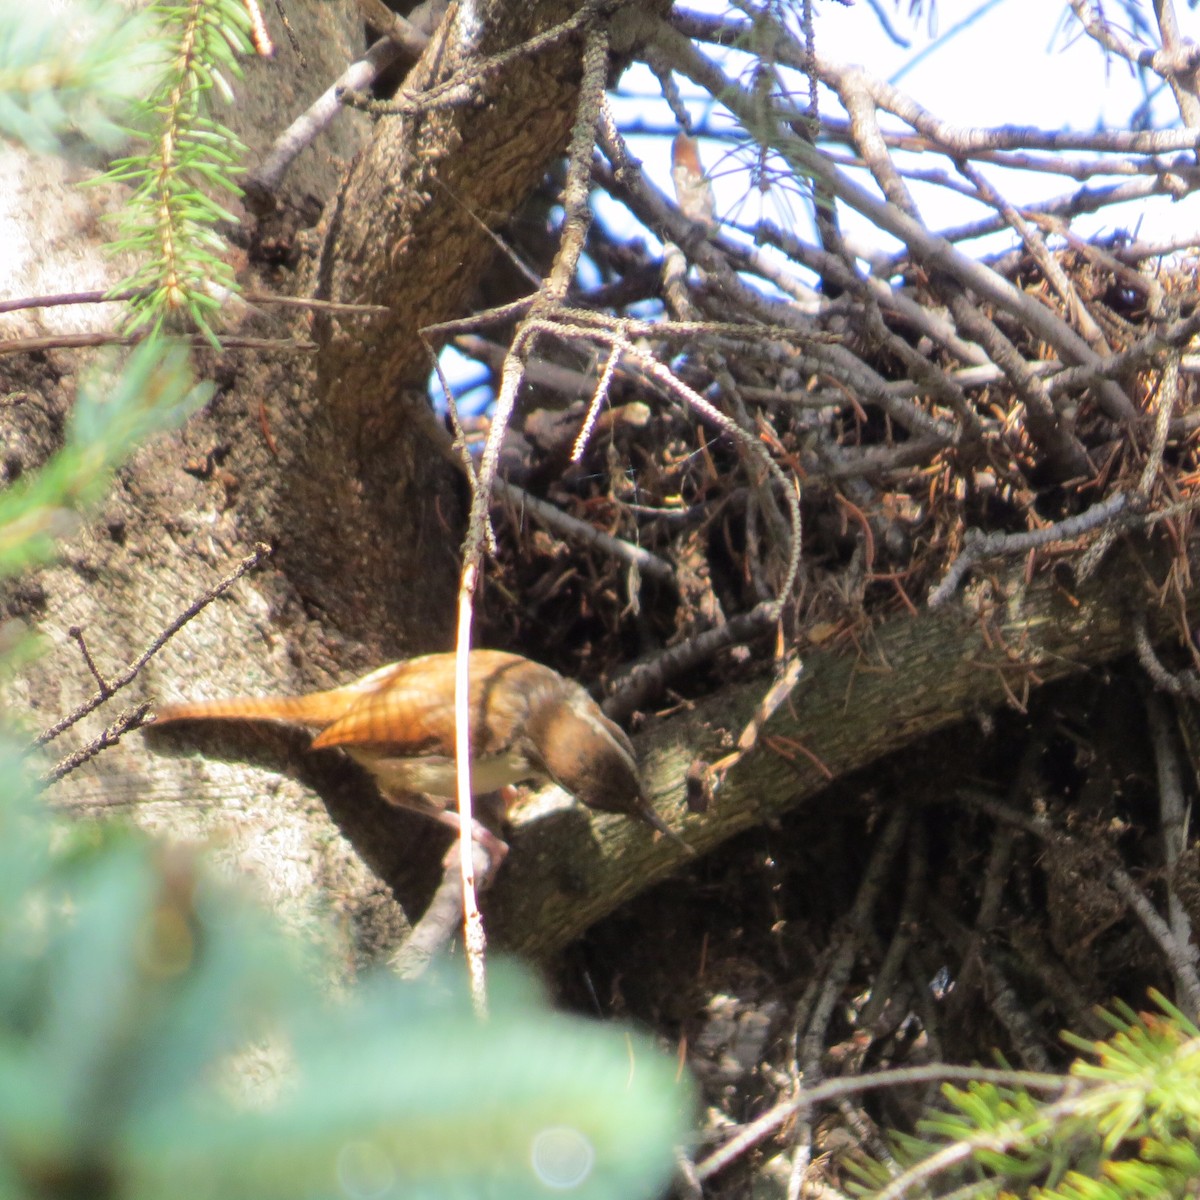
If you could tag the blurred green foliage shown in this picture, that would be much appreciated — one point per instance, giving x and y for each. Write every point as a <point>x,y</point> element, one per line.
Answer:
<point>138,992</point>
<point>1128,1128</point>
<point>72,68</point>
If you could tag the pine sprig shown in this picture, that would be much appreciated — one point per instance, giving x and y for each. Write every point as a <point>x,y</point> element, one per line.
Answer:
<point>187,159</point>
<point>1128,1129</point>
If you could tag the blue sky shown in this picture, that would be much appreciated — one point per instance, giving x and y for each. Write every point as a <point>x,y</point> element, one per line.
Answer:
<point>1009,62</point>
<point>984,62</point>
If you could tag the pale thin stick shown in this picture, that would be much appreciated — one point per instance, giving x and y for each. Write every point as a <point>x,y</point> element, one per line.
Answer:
<point>258,29</point>
<point>595,63</point>
<point>599,396</point>
<point>474,936</point>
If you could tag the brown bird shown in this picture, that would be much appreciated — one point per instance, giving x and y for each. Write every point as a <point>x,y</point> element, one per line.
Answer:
<point>527,722</point>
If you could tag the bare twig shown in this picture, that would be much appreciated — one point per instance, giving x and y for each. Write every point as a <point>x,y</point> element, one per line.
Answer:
<point>99,296</point>
<point>77,633</point>
<point>80,341</point>
<point>571,527</point>
<point>649,679</point>
<point>262,185</point>
<point>1174,815</point>
<point>134,718</point>
<point>904,934</point>
<point>577,217</point>
<point>442,919</point>
<point>1177,61</point>
<point>887,845</point>
<point>764,1126</point>
<point>402,38</point>
<point>1014,1016</point>
<point>595,59</point>
<point>117,682</point>
<point>599,396</point>
<point>935,253</point>
<point>1181,957</point>
<point>979,546</point>
<point>1181,683</point>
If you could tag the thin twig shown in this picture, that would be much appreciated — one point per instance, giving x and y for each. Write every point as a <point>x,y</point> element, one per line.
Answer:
<point>1173,812</point>
<point>117,682</point>
<point>648,679</point>
<point>99,296</point>
<point>1027,1039</point>
<point>1181,958</point>
<point>81,341</point>
<point>1117,507</point>
<point>478,528</point>
<point>581,531</point>
<point>905,931</point>
<point>764,1126</point>
<point>887,845</point>
<point>441,920</point>
<point>1181,683</point>
<point>133,718</point>
<point>599,396</point>
<point>402,38</point>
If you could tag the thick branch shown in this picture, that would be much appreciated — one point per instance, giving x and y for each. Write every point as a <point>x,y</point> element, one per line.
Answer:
<point>480,120</point>
<point>915,675</point>
<point>410,229</point>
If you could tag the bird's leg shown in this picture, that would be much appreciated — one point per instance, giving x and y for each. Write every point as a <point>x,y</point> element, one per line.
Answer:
<point>443,918</point>
<point>493,847</point>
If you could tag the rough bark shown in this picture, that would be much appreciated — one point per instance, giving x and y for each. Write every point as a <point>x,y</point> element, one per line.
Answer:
<point>332,459</point>
<point>409,230</point>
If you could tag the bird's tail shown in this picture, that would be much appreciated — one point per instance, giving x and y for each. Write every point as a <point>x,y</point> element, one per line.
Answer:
<point>318,708</point>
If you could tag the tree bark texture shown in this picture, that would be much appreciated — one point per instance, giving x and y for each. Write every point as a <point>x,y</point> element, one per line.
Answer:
<point>332,459</point>
<point>410,230</point>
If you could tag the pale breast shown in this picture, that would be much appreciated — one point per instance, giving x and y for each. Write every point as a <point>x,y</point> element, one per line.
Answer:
<point>435,775</point>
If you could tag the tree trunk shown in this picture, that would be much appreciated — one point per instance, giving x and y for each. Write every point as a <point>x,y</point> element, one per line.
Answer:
<point>334,460</point>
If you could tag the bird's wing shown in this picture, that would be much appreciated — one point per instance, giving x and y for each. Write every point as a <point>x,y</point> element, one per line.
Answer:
<point>408,708</point>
